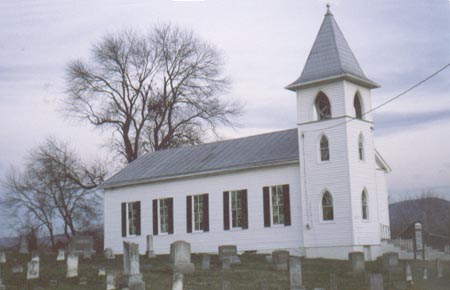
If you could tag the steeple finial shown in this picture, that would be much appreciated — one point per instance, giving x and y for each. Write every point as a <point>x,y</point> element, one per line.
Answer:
<point>328,10</point>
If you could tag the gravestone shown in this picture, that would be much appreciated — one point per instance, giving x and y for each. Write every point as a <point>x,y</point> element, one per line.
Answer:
<point>295,274</point>
<point>419,247</point>
<point>280,260</point>
<point>150,252</point>
<point>333,282</point>
<point>35,257</point>
<point>23,248</point>
<point>72,265</point>
<point>33,270</point>
<point>226,264</point>
<point>83,281</point>
<point>2,257</point>
<point>357,262</point>
<point>109,255</point>
<point>408,272</point>
<point>425,274</point>
<point>177,281</point>
<point>131,266</point>
<point>101,271</point>
<point>390,260</point>
<point>80,244</point>
<point>376,282</point>
<point>180,258</point>
<point>206,261</point>
<point>439,269</point>
<point>226,285</point>
<point>110,281</point>
<point>17,268</point>
<point>229,252</point>
<point>447,249</point>
<point>268,259</point>
<point>87,254</point>
<point>61,255</point>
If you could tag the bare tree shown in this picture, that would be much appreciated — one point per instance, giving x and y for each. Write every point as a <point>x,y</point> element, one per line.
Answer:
<point>56,183</point>
<point>155,91</point>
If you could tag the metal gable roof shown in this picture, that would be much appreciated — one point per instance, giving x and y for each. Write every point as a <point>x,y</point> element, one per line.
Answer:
<point>330,57</point>
<point>247,152</point>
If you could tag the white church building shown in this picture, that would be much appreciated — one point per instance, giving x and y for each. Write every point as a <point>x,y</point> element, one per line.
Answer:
<point>318,190</point>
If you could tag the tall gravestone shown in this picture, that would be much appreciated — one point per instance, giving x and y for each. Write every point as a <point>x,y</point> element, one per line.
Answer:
<point>177,281</point>
<point>131,267</point>
<point>280,260</point>
<point>72,265</point>
<point>61,255</point>
<point>110,281</point>
<point>295,273</point>
<point>418,244</point>
<point>439,269</point>
<point>408,271</point>
<point>357,262</point>
<point>23,247</point>
<point>150,252</point>
<point>2,257</point>
<point>376,282</point>
<point>33,270</point>
<point>180,258</point>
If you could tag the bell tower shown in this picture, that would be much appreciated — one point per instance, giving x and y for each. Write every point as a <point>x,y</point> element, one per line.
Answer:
<point>338,167</point>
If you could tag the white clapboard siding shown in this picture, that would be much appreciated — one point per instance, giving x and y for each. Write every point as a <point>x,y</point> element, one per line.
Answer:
<point>257,237</point>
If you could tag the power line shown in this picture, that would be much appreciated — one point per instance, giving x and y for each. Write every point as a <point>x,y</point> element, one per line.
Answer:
<point>388,101</point>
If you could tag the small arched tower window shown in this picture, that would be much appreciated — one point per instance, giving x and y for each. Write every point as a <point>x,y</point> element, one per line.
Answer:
<point>324,149</point>
<point>357,106</point>
<point>365,207</point>
<point>361,147</point>
<point>327,207</point>
<point>322,107</point>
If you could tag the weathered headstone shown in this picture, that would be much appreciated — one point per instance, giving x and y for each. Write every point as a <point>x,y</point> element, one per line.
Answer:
<point>295,273</point>
<point>180,258</point>
<point>80,244</point>
<point>376,282</point>
<point>72,265</point>
<point>333,282</point>
<point>131,268</point>
<point>268,259</point>
<point>110,281</point>
<point>61,255</point>
<point>101,271</point>
<point>280,260</point>
<point>206,261</point>
<point>150,252</point>
<point>35,257</point>
<point>425,274</point>
<point>390,261</point>
<point>17,268</point>
<point>229,252</point>
<point>23,248</point>
<point>226,285</point>
<point>439,269</point>
<point>109,255</point>
<point>2,257</point>
<point>408,272</point>
<point>357,261</point>
<point>226,264</point>
<point>177,281</point>
<point>33,270</point>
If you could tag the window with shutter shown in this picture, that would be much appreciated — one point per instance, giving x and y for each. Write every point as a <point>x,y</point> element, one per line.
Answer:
<point>131,218</point>
<point>277,205</point>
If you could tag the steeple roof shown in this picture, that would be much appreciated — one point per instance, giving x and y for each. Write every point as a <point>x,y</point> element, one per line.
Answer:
<point>331,58</point>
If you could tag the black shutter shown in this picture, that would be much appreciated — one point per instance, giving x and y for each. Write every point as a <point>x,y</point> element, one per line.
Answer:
<point>244,221</point>
<point>170,209</point>
<point>226,210</point>
<point>287,205</point>
<point>266,200</point>
<point>155,217</point>
<point>138,220</point>
<point>189,214</point>
<point>205,221</point>
<point>124,219</point>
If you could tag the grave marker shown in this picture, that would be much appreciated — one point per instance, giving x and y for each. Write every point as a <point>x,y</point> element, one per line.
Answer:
<point>23,248</point>
<point>177,281</point>
<point>61,255</point>
<point>408,272</point>
<point>131,268</point>
<point>206,261</point>
<point>33,270</point>
<point>295,273</point>
<point>280,260</point>
<point>80,244</point>
<point>229,251</point>
<point>226,264</point>
<point>2,257</point>
<point>439,269</point>
<point>110,281</point>
<point>357,261</point>
<point>150,252</point>
<point>376,282</point>
<point>109,255</point>
<point>101,271</point>
<point>72,265</point>
<point>180,258</point>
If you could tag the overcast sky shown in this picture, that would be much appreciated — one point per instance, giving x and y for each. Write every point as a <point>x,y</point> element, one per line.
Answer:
<point>265,44</point>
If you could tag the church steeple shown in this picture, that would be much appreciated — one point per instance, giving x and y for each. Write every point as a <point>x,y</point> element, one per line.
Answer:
<point>331,58</point>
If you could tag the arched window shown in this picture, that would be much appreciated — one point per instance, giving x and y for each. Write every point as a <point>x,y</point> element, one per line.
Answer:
<point>327,207</point>
<point>365,208</point>
<point>361,146</point>
<point>322,107</point>
<point>324,149</point>
<point>357,106</point>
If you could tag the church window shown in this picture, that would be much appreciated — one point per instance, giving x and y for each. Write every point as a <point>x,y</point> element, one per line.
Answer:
<point>324,149</point>
<point>327,207</point>
<point>357,106</point>
<point>365,208</point>
<point>322,107</point>
<point>277,205</point>
<point>164,215</point>
<point>131,218</point>
<point>236,209</point>
<point>361,147</point>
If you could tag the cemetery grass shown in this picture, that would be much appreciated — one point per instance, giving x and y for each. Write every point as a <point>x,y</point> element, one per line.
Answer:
<point>248,275</point>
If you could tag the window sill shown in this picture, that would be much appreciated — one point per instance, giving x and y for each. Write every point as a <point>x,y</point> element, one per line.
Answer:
<point>328,222</point>
<point>278,226</point>
<point>197,232</point>
<point>236,229</point>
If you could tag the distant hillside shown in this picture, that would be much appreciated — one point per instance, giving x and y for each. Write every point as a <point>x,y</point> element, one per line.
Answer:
<point>433,212</point>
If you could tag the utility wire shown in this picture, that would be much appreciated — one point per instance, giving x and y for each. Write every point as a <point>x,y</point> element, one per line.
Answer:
<point>388,101</point>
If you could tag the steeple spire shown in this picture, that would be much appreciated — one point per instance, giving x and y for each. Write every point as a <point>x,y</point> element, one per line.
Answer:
<point>331,58</point>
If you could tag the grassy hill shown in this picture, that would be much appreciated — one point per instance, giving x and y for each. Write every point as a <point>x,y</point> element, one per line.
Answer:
<point>247,276</point>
